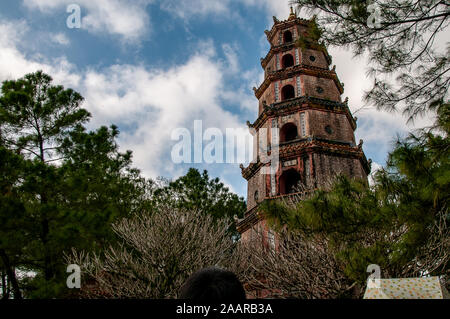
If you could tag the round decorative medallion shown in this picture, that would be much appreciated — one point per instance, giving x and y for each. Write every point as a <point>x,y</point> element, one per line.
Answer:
<point>312,58</point>
<point>328,129</point>
<point>319,89</point>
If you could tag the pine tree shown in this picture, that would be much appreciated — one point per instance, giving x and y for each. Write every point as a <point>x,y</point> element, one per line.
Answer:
<point>197,191</point>
<point>34,117</point>
<point>400,223</point>
<point>73,184</point>
<point>401,38</point>
<point>11,240</point>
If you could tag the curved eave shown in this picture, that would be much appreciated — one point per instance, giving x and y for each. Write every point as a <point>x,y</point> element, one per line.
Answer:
<point>303,102</point>
<point>254,215</point>
<point>327,147</point>
<point>288,46</point>
<point>276,49</point>
<point>250,219</point>
<point>312,145</point>
<point>284,24</point>
<point>295,70</point>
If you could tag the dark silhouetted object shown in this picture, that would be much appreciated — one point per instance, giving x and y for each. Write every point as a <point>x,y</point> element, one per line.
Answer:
<point>213,284</point>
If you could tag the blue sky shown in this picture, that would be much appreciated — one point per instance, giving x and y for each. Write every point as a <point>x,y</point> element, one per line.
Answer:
<point>151,66</point>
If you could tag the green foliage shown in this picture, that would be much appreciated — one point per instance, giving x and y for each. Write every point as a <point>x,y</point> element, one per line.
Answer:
<point>35,115</point>
<point>196,191</point>
<point>63,187</point>
<point>64,206</point>
<point>405,44</point>
<point>100,185</point>
<point>11,241</point>
<point>400,223</point>
<point>158,250</point>
<point>312,38</point>
<point>417,177</point>
<point>340,205</point>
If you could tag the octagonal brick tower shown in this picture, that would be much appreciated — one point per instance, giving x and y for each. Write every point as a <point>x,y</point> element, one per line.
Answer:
<point>301,96</point>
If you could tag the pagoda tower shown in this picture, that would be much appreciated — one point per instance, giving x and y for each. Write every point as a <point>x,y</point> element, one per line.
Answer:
<point>301,99</point>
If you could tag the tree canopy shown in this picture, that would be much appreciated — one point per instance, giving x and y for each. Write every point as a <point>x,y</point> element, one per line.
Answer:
<point>197,191</point>
<point>400,223</point>
<point>62,187</point>
<point>403,38</point>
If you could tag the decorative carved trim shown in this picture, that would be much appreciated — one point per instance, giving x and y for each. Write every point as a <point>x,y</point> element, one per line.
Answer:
<point>297,70</point>
<point>274,49</point>
<point>302,103</point>
<point>280,25</point>
<point>253,216</point>
<point>312,145</point>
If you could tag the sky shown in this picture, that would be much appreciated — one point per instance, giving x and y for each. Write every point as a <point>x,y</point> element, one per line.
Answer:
<point>154,66</point>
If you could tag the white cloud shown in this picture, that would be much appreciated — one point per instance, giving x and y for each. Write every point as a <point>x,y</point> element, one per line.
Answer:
<point>127,19</point>
<point>60,38</point>
<point>149,103</point>
<point>10,32</point>
<point>156,102</point>
<point>278,8</point>
<point>232,57</point>
<point>375,168</point>
<point>186,9</point>
<point>130,19</point>
<point>14,63</point>
<point>375,127</point>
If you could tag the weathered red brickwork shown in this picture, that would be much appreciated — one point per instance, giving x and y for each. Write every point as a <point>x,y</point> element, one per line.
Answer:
<point>329,90</point>
<point>301,96</point>
<point>340,127</point>
<point>256,184</point>
<point>318,58</point>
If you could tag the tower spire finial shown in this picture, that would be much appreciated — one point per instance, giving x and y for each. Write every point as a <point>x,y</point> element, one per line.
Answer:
<point>292,15</point>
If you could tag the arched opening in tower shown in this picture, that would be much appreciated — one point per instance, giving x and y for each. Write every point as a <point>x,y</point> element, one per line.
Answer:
<point>288,92</point>
<point>289,182</point>
<point>287,36</point>
<point>287,61</point>
<point>288,132</point>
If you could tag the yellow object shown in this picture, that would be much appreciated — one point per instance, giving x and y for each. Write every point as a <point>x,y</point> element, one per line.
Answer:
<point>406,288</point>
<point>292,15</point>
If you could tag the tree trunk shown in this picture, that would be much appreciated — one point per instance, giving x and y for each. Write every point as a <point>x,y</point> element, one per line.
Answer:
<point>48,271</point>
<point>8,287</point>
<point>3,286</point>
<point>11,275</point>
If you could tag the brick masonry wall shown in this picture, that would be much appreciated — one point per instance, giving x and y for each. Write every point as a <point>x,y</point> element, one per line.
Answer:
<point>338,122</point>
<point>272,64</point>
<point>327,166</point>
<point>300,30</point>
<point>318,57</point>
<point>285,82</point>
<point>256,183</point>
<point>330,91</point>
<point>260,227</point>
<point>268,96</point>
